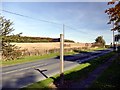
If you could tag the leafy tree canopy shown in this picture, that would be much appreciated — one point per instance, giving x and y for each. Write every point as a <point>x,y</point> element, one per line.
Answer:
<point>8,51</point>
<point>99,40</point>
<point>114,15</point>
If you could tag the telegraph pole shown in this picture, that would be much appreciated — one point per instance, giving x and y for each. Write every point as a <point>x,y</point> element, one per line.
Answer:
<point>62,57</point>
<point>113,39</point>
<point>61,54</point>
<point>63,31</point>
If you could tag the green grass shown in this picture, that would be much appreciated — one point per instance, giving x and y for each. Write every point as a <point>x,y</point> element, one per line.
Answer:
<point>76,74</point>
<point>43,84</point>
<point>90,49</point>
<point>95,49</point>
<point>32,58</point>
<point>35,58</point>
<point>110,78</point>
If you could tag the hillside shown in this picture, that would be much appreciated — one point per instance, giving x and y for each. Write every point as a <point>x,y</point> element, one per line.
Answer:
<point>28,39</point>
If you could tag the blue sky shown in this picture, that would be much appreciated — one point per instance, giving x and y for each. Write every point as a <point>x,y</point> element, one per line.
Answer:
<point>88,18</point>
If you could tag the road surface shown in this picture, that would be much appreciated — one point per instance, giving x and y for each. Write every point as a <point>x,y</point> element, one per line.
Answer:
<point>21,75</point>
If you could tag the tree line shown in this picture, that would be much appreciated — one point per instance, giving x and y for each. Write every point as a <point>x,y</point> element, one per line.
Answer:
<point>26,39</point>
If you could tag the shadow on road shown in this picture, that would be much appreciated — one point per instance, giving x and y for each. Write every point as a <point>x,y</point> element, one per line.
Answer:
<point>28,77</point>
<point>80,55</point>
<point>56,81</point>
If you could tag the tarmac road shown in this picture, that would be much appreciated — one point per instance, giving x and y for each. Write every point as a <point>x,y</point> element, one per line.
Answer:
<point>18,76</point>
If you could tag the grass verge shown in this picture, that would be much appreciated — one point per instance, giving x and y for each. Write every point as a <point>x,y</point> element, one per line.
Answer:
<point>76,74</point>
<point>110,78</point>
<point>32,58</point>
<point>90,50</point>
<point>35,58</point>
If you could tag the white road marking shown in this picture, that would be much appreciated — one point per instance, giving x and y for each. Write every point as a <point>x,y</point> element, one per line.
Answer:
<point>21,69</point>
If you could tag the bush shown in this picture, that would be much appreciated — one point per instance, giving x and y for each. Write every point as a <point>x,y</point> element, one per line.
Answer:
<point>107,46</point>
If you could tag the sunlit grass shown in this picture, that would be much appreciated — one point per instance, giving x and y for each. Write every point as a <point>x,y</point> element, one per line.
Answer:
<point>94,49</point>
<point>32,58</point>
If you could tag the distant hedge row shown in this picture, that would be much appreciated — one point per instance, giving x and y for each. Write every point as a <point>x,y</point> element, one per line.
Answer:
<point>26,39</point>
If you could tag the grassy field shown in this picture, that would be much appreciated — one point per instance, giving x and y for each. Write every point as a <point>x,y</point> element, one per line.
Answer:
<point>110,78</point>
<point>32,58</point>
<point>76,74</point>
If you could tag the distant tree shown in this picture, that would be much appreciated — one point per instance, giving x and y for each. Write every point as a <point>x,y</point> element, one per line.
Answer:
<point>100,41</point>
<point>8,51</point>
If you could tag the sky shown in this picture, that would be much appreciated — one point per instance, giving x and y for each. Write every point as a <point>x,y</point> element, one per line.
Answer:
<point>56,0</point>
<point>86,20</point>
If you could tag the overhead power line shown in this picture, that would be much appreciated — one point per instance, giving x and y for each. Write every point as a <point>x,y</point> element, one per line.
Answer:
<point>46,21</point>
<point>74,29</point>
<point>79,30</point>
<point>30,17</point>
